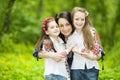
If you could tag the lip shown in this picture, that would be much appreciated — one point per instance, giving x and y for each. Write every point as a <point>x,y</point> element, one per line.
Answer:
<point>56,31</point>
<point>79,24</point>
<point>66,31</point>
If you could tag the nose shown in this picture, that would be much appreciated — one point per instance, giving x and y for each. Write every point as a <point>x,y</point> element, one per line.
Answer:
<point>65,27</point>
<point>56,28</point>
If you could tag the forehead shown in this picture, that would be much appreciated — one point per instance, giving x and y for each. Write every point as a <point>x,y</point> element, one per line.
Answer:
<point>79,14</point>
<point>52,23</point>
<point>62,21</point>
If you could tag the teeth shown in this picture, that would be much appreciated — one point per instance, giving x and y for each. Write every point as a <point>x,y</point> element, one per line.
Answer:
<point>79,25</point>
<point>65,32</point>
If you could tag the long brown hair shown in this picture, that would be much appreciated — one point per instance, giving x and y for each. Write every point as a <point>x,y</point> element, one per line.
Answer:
<point>44,36</point>
<point>88,38</point>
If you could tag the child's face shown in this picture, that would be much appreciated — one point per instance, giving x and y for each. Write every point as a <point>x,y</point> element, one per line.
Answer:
<point>53,29</point>
<point>79,20</point>
<point>65,27</point>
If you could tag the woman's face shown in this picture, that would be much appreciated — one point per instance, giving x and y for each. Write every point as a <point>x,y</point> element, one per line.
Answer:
<point>79,20</point>
<point>65,27</point>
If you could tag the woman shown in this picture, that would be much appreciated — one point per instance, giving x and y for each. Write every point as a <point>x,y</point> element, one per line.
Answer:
<point>64,21</point>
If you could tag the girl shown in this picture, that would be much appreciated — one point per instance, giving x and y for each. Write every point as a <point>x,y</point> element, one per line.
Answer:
<point>88,49</point>
<point>54,51</point>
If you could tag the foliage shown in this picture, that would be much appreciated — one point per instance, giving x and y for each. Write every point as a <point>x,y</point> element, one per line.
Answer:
<point>17,44</point>
<point>27,16</point>
<point>20,65</point>
<point>110,74</point>
<point>3,7</point>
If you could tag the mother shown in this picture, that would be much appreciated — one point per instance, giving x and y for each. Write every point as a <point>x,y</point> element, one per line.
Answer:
<point>64,21</point>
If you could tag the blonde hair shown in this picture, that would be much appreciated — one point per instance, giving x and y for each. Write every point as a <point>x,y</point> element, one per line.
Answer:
<point>76,9</point>
<point>88,38</point>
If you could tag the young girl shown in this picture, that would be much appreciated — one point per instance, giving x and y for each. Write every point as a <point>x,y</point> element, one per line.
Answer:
<point>88,47</point>
<point>54,51</point>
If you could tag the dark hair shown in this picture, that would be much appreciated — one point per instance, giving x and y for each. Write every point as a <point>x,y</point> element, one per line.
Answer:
<point>66,15</point>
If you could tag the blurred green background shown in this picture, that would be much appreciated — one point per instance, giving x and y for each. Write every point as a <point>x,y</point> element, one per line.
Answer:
<point>20,28</point>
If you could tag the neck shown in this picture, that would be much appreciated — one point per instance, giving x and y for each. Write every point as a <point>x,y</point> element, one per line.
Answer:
<point>79,31</point>
<point>66,38</point>
<point>55,37</point>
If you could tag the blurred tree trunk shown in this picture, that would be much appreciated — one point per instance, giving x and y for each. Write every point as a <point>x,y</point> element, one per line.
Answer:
<point>83,3</point>
<point>102,9</point>
<point>40,9</point>
<point>115,23</point>
<point>73,3</point>
<point>7,19</point>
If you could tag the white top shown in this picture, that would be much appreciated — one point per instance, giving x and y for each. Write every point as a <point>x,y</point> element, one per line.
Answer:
<point>78,60</point>
<point>53,67</point>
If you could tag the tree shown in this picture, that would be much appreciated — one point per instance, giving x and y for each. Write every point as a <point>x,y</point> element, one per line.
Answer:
<point>7,20</point>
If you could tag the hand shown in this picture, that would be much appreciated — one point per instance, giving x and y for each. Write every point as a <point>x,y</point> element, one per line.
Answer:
<point>71,47</point>
<point>56,57</point>
<point>91,56</point>
<point>63,54</point>
<point>85,54</point>
<point>76,50</point>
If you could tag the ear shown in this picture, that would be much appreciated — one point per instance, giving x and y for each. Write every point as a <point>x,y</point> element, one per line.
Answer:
<point>47,32</point>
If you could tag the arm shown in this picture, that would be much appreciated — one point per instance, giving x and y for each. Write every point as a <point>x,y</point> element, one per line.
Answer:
<point>87,54</point>
<point>45,54</point>
<point>55,56</point>
<point>52,55</point>
<point>67,51</point>
<point>92,56</point>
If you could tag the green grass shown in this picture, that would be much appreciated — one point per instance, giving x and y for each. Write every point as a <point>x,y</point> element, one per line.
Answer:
<point>19,64</point>
<point>20,67</point>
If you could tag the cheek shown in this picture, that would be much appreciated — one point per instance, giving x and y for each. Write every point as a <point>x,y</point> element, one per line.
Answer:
<point>75,22</point>
<point>69,29</point>
<point>61,29</point>
<point>83,22</point>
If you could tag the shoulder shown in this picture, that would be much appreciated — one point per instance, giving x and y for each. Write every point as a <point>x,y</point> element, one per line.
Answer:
<point>72,35</point>
<point>60,39</point>
<point>92,30</point>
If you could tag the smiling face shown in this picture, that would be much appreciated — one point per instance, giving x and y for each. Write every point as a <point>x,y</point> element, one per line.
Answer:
<point>79,20</point>
<point>53,29</point>
<point>65,27</point>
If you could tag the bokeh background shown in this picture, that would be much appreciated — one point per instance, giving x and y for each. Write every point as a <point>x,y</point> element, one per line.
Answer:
<point>20,28</point>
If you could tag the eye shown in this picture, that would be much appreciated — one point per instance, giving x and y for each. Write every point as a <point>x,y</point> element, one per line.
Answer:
<point>57,26</point>
<point>82,19</point>
<point>67,24</point>
<point>76,18</point>
<point>51,27</point>
<point>60,25</point>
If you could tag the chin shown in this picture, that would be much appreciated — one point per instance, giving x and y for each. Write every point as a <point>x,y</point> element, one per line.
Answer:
<point>66,35</point>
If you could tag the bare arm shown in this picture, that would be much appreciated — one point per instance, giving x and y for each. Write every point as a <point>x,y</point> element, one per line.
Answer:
<point>52,55</point>
<point>89,54</point>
